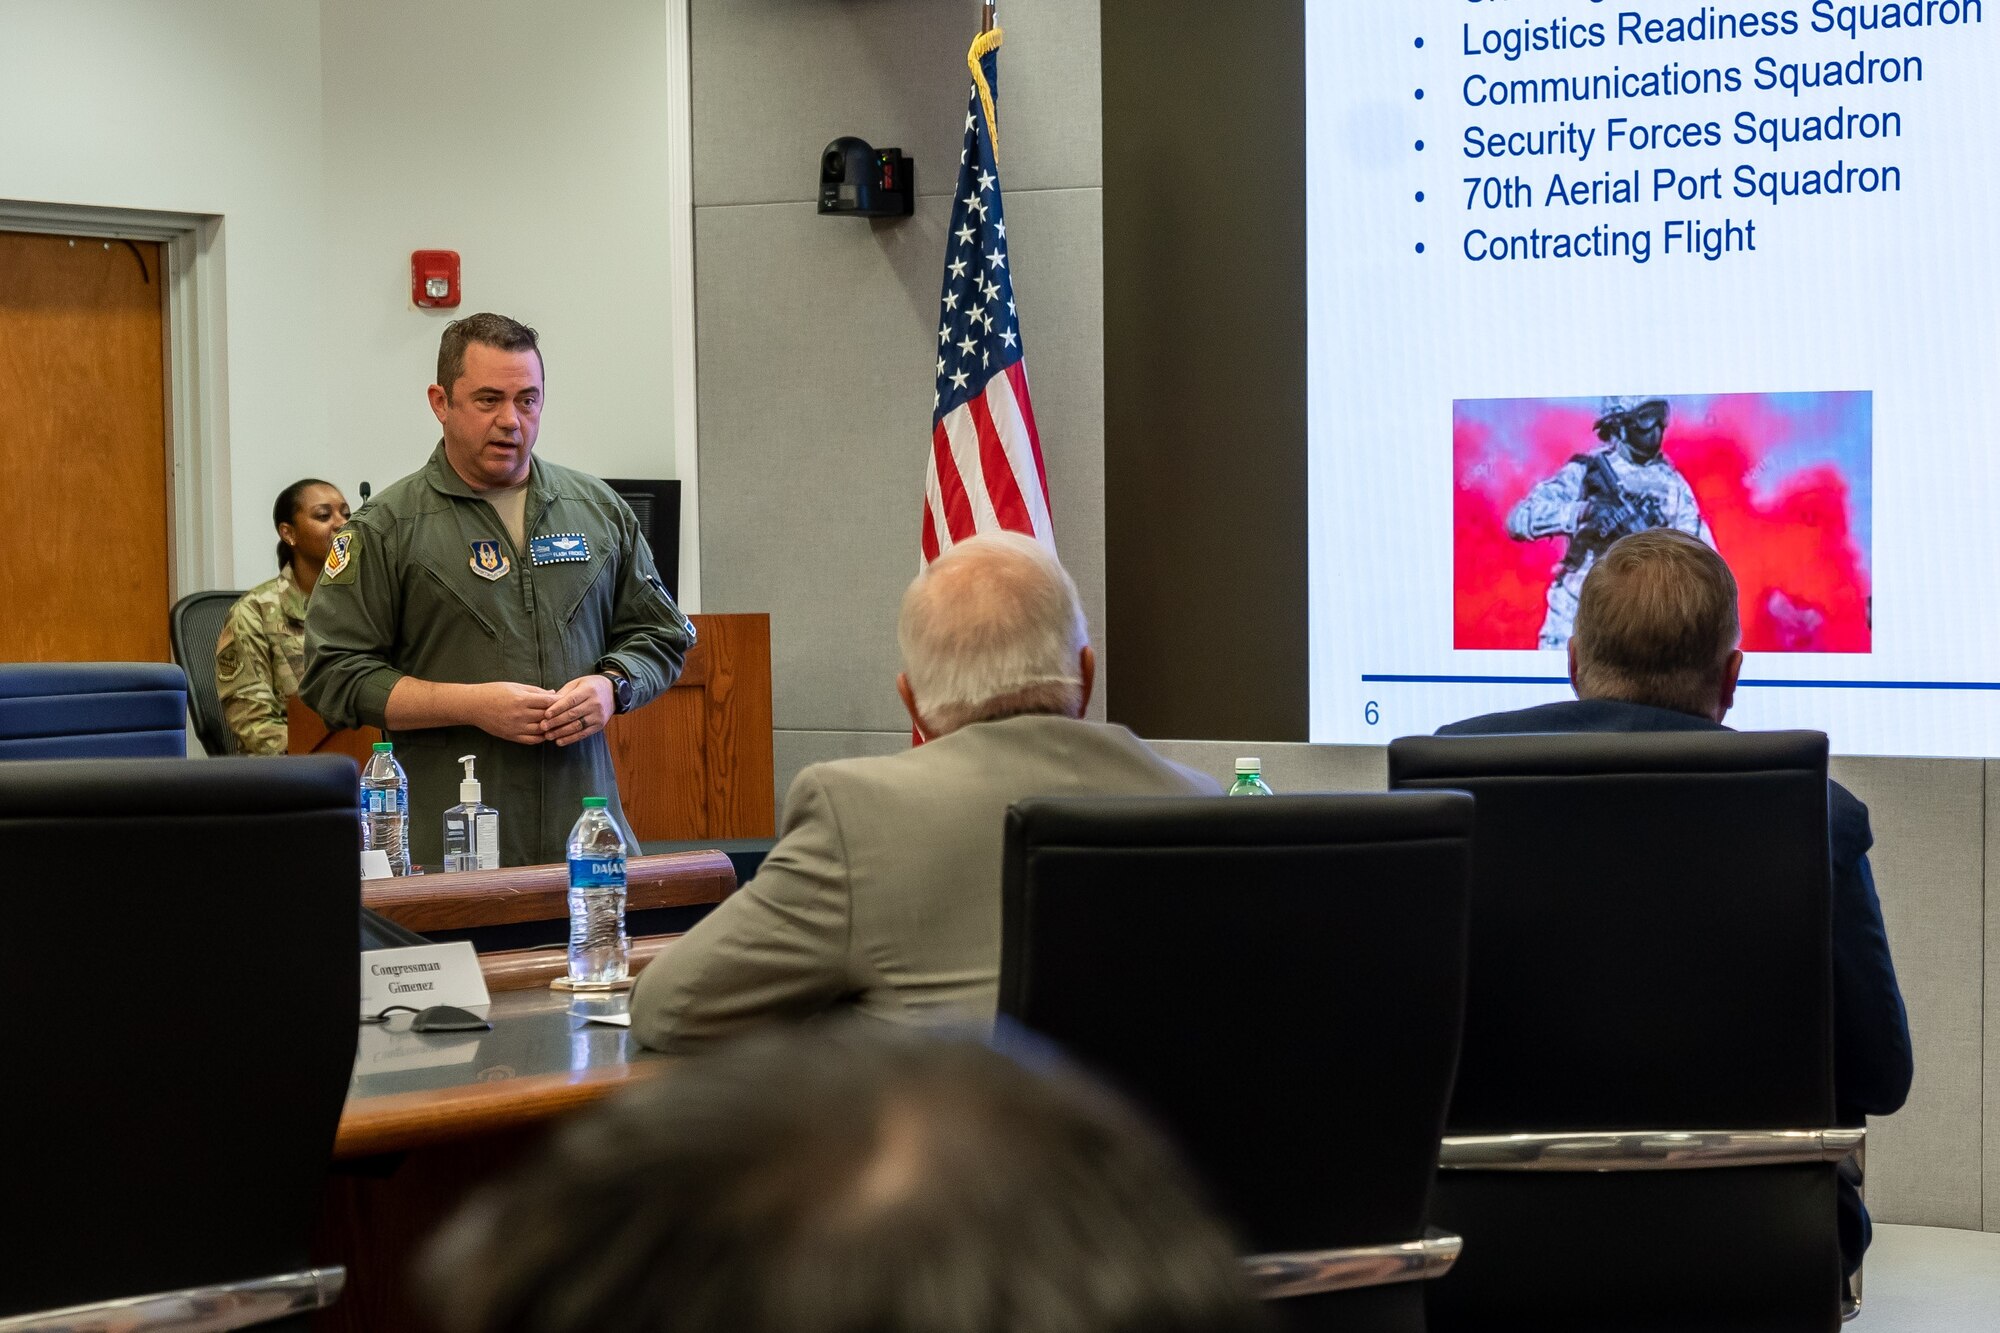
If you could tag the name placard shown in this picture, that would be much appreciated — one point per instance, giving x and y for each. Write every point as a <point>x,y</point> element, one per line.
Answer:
<point>421,977</point>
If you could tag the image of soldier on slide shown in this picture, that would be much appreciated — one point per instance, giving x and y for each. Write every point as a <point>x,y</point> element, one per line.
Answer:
<point>1626,486</point>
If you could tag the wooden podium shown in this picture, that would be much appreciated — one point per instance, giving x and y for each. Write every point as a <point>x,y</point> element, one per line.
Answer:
<point>309,734</point>
<point>695,763</point>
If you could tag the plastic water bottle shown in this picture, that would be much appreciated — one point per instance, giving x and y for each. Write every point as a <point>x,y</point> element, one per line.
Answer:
<point>599,952</point>
<point>385,808</point>
<point>1249,779</point>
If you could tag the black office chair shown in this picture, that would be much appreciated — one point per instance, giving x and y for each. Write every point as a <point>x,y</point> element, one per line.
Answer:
<point>193,625</point>
<point>1642,1132</point>
<point>182,1004</point>
<point>1278,982</point>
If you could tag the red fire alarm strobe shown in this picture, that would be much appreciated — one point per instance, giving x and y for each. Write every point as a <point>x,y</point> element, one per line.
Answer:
<point>434,278</point>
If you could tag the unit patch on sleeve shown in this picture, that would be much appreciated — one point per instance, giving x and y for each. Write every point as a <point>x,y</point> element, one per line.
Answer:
<point>340,559</point>
<point>560,548</point>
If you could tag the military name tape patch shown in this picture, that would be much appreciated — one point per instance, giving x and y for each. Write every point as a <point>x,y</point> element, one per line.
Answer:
<point>489,561</point>
<point>560,548</point>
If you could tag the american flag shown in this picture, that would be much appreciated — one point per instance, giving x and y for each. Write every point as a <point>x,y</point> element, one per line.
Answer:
<point>985,469</point>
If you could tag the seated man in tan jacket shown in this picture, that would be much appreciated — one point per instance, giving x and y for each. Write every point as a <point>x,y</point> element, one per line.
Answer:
<point>883,892</point>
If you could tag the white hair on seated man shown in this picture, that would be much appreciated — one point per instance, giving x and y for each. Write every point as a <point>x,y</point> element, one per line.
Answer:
<point>993,628</point>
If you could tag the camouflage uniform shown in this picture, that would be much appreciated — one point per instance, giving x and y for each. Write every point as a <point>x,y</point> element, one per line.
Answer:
<point>1557,507</point>
<point>258,662</point>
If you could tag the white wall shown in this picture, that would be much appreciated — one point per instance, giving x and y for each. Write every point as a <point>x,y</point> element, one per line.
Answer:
<point>198,106</point>
<point>333,137</point>
<point>534,140</point>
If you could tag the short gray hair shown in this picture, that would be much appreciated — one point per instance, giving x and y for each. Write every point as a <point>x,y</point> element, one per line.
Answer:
<point>993,628</point>
<point>1656,622</point>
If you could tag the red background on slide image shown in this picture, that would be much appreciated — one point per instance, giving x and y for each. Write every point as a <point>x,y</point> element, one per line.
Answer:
<point>1789,540</point>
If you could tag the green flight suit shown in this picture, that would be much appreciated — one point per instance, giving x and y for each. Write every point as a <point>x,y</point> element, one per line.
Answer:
<point>402,595</point>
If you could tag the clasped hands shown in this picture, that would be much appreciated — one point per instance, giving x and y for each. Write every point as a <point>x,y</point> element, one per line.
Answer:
<point>529,715</point>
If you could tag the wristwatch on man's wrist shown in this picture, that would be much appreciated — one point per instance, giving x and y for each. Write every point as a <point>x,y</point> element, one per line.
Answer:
<point>621,689</point>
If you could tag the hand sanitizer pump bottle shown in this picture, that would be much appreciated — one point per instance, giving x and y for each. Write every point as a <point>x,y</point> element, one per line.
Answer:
<point>471,830</point>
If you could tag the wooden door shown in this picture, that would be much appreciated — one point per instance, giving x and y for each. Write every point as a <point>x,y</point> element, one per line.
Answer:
<point>84,566</point>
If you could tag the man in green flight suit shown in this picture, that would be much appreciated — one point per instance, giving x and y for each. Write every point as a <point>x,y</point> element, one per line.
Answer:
<point>493,604</point>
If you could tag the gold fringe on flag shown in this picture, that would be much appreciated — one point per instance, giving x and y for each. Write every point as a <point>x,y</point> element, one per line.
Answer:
<point>984,42</point>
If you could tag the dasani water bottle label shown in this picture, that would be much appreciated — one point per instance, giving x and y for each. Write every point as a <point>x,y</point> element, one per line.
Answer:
<point>597,872</point>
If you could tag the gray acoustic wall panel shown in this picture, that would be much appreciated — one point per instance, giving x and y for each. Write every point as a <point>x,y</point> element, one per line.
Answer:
<point>1288,766</point>
<point>814,389</point>
<point>1991,1164</point>
<point>816,337</point>
<point>794,750</point>
<point>1929,868</point>
<point>1059,285</point>
<point>776,80</point>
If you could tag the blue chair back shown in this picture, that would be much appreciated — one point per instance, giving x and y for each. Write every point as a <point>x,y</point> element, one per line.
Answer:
<point>92,710</point>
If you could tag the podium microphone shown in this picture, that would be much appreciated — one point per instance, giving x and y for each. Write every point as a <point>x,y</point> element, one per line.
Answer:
<point>364,492</point>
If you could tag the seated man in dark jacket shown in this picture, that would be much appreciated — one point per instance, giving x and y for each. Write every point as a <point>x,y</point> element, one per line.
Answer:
<point>1654,649</point>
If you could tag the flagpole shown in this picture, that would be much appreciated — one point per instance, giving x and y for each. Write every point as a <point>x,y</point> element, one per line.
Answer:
<point>986,17</point>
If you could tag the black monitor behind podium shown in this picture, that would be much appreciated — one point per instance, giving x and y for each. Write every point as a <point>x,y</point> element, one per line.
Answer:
<point>657,506</point>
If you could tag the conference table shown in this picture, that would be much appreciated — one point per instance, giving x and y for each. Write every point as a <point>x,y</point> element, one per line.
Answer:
<point>544,1056</point>
<point>430,1116</point>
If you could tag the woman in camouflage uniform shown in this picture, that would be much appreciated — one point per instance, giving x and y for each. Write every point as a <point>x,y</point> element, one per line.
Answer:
<point>261,654</point>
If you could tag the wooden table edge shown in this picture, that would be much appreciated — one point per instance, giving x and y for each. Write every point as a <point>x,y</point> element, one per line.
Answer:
<point>541,893</point>
<point>401,1121</point>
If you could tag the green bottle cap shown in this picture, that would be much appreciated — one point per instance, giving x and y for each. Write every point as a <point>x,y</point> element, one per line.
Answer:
<point>594,802</point>
<point>383,747</point>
